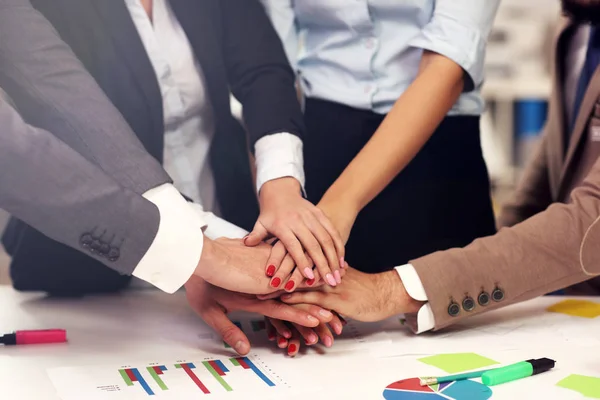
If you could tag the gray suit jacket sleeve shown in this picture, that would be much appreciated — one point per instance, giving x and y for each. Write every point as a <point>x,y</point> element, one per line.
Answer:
<point>53,91</point>
<point>53,188</point>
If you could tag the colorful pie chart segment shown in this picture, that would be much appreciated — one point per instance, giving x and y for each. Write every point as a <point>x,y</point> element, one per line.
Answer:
<point>410,389</point>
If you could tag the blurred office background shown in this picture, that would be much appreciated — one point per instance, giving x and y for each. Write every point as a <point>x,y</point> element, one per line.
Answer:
<point>516,90</point>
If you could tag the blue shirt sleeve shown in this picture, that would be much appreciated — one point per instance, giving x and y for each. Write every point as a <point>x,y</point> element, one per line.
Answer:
<point>459,30</point>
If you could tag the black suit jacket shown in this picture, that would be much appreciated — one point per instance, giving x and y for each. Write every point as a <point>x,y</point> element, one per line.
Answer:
<point>238,51</point>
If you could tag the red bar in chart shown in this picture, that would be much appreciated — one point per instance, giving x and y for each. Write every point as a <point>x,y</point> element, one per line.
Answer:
<point>242,363</point>
<point>217,368</point>
<point>187,367</point>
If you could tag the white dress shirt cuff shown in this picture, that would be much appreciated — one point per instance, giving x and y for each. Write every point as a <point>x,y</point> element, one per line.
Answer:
<point>175,252</point>
<point>414,287</point>
<point>217,227</point>
<point>279,155</point>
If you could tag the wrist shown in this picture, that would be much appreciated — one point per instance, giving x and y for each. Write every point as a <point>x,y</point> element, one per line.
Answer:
<point>207,260</point>
<point>278,186</point>
<point>395,296</point>
<point>332,201</point>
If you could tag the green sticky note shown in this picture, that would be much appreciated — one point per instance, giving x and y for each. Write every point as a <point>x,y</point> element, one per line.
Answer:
<point>458,362</point>
<point>586,385</point>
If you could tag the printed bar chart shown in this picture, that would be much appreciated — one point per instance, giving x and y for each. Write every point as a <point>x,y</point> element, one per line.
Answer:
<point>187,367</point>
<point>131,375</point>
<point>219,379</point>
<point>246,363</point>
<point>155,371</point>
<point>217,373</point>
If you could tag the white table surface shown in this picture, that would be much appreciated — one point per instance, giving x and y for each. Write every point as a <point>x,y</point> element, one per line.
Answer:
<point>146,324</point>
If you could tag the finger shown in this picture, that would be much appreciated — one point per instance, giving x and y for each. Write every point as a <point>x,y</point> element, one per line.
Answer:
<point>294,247</point>
<point>283,272</point>
<point>327,245</point>
<point>336,324</point>
<point>282,342</point>
<point>270,296</point>
<point>313,248</point>
<point>313,283</point>
<point>316,297</point>
<point>258,234</point>
<point>292,282</point>
<point>334,234</point>
<point>277,255</point>
<point>293,346</point>
<point>284,312</point>
<point>308,334</point>
<point>325,335</point>
<point>281,328</point>
<point>231,334</point>
<point>271,332</point>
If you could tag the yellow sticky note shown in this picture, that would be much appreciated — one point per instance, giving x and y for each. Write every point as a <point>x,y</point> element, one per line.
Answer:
<point>577,308</point>
<point>458,362</point>
<point>586,385</point>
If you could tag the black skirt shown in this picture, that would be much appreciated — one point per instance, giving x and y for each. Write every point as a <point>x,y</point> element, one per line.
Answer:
<point>439,201</point>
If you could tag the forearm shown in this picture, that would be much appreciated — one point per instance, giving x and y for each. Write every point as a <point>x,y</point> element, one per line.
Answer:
<point>53,91</point>
<point>403,133</point>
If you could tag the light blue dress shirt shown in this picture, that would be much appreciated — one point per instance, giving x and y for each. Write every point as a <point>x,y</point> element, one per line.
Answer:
<point>366,53</point>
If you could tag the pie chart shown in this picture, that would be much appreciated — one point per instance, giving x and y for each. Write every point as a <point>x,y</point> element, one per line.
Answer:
<point>410,389</point>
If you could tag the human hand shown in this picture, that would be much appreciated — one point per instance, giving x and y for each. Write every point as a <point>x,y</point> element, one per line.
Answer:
<point>300,227</point>
<point>342,215</point>
<point>290,336</point>
<point>229,264</point>
<point>212,304</point>
<point>363,297</point>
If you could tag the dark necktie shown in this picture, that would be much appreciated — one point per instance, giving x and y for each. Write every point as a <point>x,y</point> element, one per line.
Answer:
<point>592,60</point>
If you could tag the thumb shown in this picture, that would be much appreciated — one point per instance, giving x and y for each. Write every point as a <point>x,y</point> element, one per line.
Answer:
<point>258,234</point>
<point>231,334</point>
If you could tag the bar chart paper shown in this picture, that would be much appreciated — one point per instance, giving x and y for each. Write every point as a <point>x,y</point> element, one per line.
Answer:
<point>229,378</point>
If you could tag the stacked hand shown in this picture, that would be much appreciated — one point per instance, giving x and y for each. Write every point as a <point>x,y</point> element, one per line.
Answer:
<point>232,273</point>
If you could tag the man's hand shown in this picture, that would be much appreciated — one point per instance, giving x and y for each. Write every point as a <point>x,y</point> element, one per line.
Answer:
<point>212,304</point>
<point>363,297</point>
<point>229,264</point>
<point>300,227</point>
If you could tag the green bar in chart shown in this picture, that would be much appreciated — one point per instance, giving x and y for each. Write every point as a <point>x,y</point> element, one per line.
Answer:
<point>216,375</point>
<point>125,377</point>
<point>159,382</point>
<point>234,362</point>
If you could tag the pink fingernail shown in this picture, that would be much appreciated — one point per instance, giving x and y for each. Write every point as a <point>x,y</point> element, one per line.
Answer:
<point>328,341</point>
<point>330,279</point>
<point>308,272</point>
<point>342,263</point>
<point>338,276</point>
<point>312,339</point>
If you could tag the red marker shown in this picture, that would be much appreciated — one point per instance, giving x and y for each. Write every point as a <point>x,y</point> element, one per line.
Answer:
<point>34,337</point>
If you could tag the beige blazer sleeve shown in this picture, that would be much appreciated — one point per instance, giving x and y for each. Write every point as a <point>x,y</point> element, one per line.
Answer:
<point>552,250</point>
<point>533,193</point>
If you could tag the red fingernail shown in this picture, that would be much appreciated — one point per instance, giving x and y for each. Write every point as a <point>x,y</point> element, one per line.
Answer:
<point>276,282</point>
<point>282,341</point>
<point>292,349</point>
<point>271,336</point>
<point>310,282</point>
<point>290,285</point>
<point>270,271</point>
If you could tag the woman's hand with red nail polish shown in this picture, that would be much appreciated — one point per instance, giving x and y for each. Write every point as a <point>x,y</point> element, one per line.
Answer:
<point>303,230</point>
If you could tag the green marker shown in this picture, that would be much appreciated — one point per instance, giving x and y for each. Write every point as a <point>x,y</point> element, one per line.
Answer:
<point>517,371</point>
